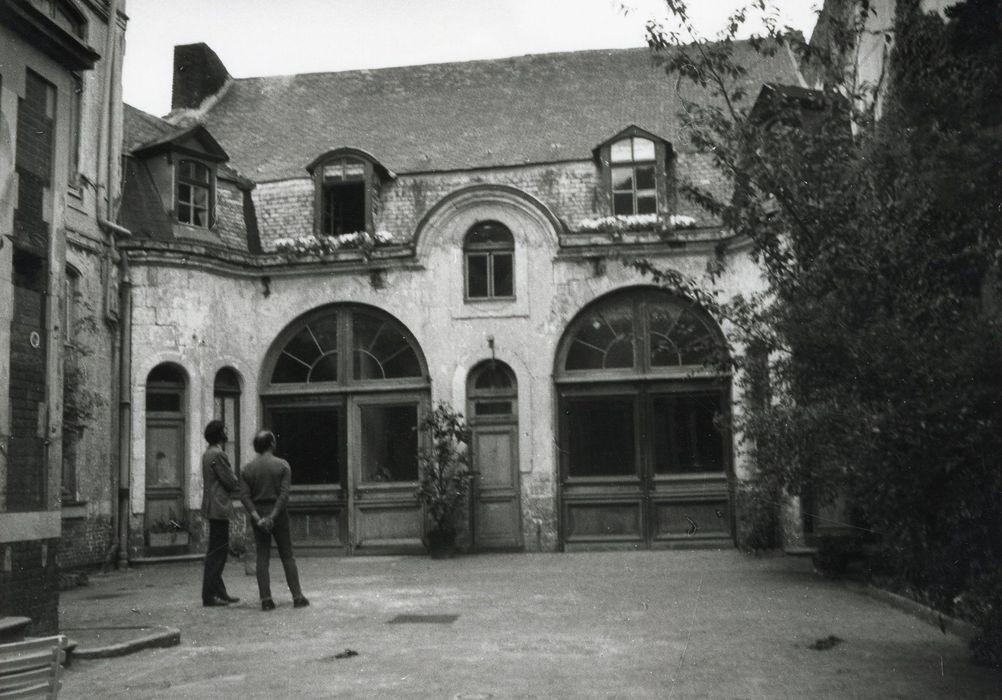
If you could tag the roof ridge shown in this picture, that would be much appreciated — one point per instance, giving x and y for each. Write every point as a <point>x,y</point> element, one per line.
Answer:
<point>472,61</point>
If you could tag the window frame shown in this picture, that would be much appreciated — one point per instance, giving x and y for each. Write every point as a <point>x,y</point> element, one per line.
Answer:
<point>492,251</point>
<point>662,163</point>
<point>374,175</point>
<point>181,179</point>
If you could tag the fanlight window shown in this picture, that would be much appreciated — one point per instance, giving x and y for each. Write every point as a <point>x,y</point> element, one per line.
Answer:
<point>642,332</point>
<point>379,349</point>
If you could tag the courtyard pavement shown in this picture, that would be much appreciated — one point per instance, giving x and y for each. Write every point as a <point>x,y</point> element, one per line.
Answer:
<point>677,624</point>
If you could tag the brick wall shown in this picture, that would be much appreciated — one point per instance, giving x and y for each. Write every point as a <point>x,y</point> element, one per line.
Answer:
<point>84,542</point>
<point>29,584</point>
<point>26,468</point>
<point>572,191</point>
<point>35,139</point>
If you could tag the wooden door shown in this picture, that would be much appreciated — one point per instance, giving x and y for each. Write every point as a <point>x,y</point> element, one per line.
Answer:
<point>165,474</point>
<point>497,512</point>
<point>383,472</point>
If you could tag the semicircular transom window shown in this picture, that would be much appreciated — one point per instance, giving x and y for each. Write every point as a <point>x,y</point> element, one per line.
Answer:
<point>318,350</point>
<point>641,331</point>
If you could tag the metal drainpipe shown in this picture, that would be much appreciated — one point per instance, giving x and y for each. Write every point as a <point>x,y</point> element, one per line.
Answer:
<point>105,214</point>
<point>124,411</point>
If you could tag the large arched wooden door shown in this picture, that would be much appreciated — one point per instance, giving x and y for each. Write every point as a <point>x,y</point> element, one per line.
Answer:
<point>346,388</point>
<point>492,408</point>
<point>644,460</point>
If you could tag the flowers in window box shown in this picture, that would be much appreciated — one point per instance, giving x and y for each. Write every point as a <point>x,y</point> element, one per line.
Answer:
<point>636,222</point>
<point>327,245</point>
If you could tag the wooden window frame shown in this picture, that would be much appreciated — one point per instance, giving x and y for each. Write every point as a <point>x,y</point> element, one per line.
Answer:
<point>320,190</point>
<point>190,181</point>
<point>664,195</point>
<point>492,251</point>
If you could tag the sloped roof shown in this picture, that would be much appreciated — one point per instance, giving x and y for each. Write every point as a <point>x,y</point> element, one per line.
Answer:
<point>478,114</point>
<point>140,128</point>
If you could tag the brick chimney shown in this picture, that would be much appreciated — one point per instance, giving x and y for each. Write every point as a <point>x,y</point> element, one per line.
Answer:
<point>198,73</point>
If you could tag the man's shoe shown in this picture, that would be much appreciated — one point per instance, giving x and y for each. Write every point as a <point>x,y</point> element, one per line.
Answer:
<point>215,602</point>
<point>231,599</point>
<point>300,602</point>
<point>267,604</point>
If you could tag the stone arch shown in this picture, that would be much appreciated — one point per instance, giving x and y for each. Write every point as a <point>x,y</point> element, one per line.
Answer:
<point>451,217</point>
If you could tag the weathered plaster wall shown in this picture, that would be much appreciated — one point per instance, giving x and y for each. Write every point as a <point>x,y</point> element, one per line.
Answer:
<point>204,320</point>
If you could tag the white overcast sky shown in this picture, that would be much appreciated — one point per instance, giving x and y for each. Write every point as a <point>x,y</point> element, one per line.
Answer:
<point>264,37</point>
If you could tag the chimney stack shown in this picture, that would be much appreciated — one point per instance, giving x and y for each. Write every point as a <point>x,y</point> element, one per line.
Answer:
<point>198,74</point>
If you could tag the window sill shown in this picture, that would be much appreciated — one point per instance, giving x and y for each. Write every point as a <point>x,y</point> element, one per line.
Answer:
<point>74,510</point>
<point>195,233</point>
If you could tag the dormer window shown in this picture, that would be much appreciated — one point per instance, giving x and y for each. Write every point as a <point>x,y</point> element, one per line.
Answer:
<point>489,252</point>
<point>635,166</point>
<point>194,193</point>
<point>343,205</point>
<point>347,182</point>
<point>634,189</point>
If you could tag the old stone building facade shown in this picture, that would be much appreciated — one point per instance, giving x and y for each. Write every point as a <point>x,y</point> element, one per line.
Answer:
<point>60,154</point>
<point>330,255</point>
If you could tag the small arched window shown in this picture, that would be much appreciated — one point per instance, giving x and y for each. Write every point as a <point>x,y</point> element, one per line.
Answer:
<point>492,391</point>
<point>343,197</point>
<point>489,253</point>
<point>226,407</point>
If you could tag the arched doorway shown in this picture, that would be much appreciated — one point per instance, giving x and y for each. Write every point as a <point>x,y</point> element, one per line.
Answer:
<point>644,462</point>
<point>492,408</point>
<point>344,389</point>
<point>166,524</point>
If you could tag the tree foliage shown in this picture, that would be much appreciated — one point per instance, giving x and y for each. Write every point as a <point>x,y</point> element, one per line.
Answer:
<point>879,240</point>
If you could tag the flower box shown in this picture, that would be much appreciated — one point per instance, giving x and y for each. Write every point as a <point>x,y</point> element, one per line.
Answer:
<point>178,538</point>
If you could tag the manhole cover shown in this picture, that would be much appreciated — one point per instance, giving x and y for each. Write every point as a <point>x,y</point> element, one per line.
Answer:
<point>433,619</point>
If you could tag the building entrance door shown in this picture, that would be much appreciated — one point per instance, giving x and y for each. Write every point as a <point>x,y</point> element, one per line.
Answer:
<point>644,460</point>
<point>493,411</point>
<point>346,392</point>
<point>383,466</point>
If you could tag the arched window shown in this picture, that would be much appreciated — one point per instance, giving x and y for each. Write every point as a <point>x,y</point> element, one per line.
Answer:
<point>492,391</point>
<point>346,358</point>
<point>642,333</point>
<point>226,407</point>
<point>634,189</point>
<point>489,253</point>
<point>380,349</point>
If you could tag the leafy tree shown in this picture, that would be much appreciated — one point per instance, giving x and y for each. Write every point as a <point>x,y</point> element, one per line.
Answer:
<point>879,241</point>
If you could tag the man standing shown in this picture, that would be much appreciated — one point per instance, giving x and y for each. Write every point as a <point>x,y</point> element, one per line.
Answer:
<point>218,486</point>
<point>264,491</point>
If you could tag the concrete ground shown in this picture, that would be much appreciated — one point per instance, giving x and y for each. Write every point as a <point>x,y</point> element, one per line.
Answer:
<point>685,624</point>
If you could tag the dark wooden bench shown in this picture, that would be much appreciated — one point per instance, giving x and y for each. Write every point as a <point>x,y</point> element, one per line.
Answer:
<point>32,668</point>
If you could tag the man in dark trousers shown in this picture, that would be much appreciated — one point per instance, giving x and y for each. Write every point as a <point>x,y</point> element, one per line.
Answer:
<point>264,491</point>
<point>219,485</point>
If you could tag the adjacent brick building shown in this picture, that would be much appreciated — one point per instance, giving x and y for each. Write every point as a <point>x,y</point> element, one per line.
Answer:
<point>60,145</point>
<point>328,255</point>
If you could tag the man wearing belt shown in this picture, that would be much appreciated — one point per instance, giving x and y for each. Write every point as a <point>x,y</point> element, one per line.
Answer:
<point>264,491</point>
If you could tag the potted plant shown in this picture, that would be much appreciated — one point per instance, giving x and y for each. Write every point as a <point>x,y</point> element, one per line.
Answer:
<point>168,532</point>
<point>444,476</point>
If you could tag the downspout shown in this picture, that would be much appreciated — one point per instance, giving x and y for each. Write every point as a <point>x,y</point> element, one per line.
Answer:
<point>121,346</point>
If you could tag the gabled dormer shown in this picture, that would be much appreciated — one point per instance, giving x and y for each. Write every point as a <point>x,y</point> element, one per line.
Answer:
<point>636,173</point>
<point>347,183</point>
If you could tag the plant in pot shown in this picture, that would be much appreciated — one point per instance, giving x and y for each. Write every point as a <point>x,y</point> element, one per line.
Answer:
<point>444,475</point>
<point>167,532</point>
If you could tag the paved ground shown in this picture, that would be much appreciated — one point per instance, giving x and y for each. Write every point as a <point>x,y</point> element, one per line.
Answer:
<point>593,625</point>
